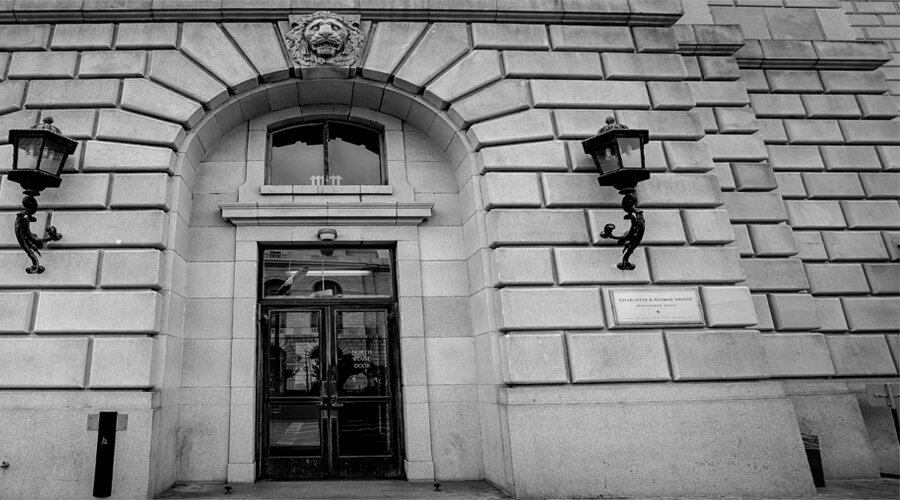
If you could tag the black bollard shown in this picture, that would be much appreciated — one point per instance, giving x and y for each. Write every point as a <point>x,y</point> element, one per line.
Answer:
<point>106,453</point>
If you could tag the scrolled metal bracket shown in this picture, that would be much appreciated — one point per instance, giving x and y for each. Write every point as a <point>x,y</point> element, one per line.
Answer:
<point>635,233</point>
<point>29,241</point>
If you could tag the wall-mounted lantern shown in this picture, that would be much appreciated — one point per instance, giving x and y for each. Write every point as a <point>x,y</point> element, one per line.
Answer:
<point>618,153</point>
<point>39,155</point>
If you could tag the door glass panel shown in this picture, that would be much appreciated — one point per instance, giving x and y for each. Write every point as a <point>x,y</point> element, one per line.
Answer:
<point>294,354</point>
<point>364,429</point>
<point>294,430</point>
<point>333,273</point>
<point>362,353</point>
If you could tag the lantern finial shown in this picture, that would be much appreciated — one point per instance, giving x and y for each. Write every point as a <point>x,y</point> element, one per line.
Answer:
<point>611,125</point>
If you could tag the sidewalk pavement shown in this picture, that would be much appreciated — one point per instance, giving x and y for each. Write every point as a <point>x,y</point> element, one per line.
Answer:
<point>877,489</point>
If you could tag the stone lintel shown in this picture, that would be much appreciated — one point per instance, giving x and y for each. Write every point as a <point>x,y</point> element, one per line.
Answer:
<point>276,214</point>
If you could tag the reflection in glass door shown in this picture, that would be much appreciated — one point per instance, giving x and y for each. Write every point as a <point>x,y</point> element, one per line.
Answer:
<point>329,405</point>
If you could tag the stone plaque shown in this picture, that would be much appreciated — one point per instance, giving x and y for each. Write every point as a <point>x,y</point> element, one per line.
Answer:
<point>656,307</point>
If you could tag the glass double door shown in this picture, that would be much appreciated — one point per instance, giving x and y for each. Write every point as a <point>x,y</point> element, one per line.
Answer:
<point>330,381</point>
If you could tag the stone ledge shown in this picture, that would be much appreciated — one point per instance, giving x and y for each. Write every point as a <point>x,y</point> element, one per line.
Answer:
<point>276,214</point>
<point>796,54</point>
<point>657,13</point>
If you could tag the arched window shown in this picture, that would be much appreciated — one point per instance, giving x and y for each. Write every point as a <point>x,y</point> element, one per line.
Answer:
<point>326,153</point>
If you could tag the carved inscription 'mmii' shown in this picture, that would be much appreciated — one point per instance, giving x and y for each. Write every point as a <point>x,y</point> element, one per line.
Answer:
<point>325,39</point>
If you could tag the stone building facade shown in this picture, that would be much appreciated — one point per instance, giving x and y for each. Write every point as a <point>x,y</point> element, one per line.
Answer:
<point>775,159</point>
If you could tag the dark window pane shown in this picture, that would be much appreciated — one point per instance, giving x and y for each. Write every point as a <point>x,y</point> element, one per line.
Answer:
<point>297,156</point>
<point>294,430</point>
<point>294,354</point>
<point>354,155</point>
<point>364,429</point>
<point>318,274</point>
<point>362,353</point>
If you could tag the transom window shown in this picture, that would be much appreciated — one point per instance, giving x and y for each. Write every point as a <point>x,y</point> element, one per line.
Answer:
<point>326,153</point>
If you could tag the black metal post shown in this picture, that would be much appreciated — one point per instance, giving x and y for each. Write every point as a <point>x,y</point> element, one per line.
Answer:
<point>106,453</point>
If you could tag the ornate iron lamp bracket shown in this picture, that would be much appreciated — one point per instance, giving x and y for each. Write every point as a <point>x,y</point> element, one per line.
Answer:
<point>29,241</point>
<point>635,233</point>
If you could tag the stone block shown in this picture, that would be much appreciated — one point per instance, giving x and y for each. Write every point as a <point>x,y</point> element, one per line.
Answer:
<point>174,70</point>
<point>832,185</point>
<point>598,38</point>
<point>64,269</point>
<point>664,125</point>
<point>846,158</point>
<point>387,46</point>
<point>670,95</point>
<point>870,131</point>
<point>663,227</point>
<point>793,24</point>
<point>78,191</point>
<point>880,185</point>
<point>550,308</point>
<point>16,312</point>
<point>736,121</point>
<point>707,118</point>
<point>147,36</point>
<point>149,190</point>
<point>132,269</point>
<point>576,190</point>
<point>45,363</point>
<point>795,158</point>
<point>543,156</point>
<point>836,279</point>
<point>617,357</point>
<point>853,82</point>
<point>755,207</point>
<point>694,265</point>
<point>83,36</point>
<point>522,227</point>
<point>719,68</point>
<point>722,171</point>
<point>707,227</point>
<point>533,358</point>
<point>457,453</point>
<point>668,190</point>
<point>570,65</point>
<point>736,148</point>
<point>113,64</point>
<point>115,125</point>
<point>790,185</point>
<point>654,39</point>
<point>42,65</point>
<point>877,106</point>
<point>123,363</point>
<point>884,279</point>
<point>815,214</point>
<point>475,70</point>
<point>798,355</point>
<point>728,306</point>
<point>772,240</point>
<point>719,93</point>
<point>892,244</point>
<point>716,355</point>
<point>683,156</point>
<point>73,93</point>
<point>531,125</point>
<point>763,313</point>
<point>872,314</point>
<point>794,82</point>
<point>643,66</point>
<point>143,96</point>
<point>813,132</point>
<point>102,156</point>
<point>777,106</point>
<point>854,246</point>
<point>441,45</point>
<point>795,311</point>
<point>12,95</point>
<point>830,106</point>
<point>774,275</point>
<point>509,36</point>
<point>587,266</point>
<point>830,314</point>
<point>26,37</point>
<point>521,266</point>
<point>742,240</point>
<point>210,47</point>
<point>503,98</point>
<point>871,214</point>
<point>753,176</point>
<point>890,157</point>
<point>771,131</point>
<point>262,46</point>
<point>589,93</point>
<point>441,316</point>
<point>860,355</point>
<point>202,364</point>
<point>76,124</point>
<point>450,360</point>
<point>98,312</point>
<point>440,278</point>
<point>510,190</point>
<point>139,228</point>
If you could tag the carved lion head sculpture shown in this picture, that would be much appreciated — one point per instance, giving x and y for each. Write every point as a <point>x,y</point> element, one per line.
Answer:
<point>324,39</point>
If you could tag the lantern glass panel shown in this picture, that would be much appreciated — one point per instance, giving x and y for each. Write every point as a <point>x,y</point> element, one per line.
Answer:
<point>607,159</point>
<point>53,157</point>
<point>29,152</point>
<point>630,147</point>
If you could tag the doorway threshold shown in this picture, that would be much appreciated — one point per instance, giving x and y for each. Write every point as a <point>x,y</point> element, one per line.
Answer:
<point>337,489</point>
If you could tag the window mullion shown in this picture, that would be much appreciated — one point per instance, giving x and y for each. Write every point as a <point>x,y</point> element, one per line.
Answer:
<point>325,151</point>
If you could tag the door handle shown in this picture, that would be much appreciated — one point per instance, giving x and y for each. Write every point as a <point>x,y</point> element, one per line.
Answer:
<point>334,402</point>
